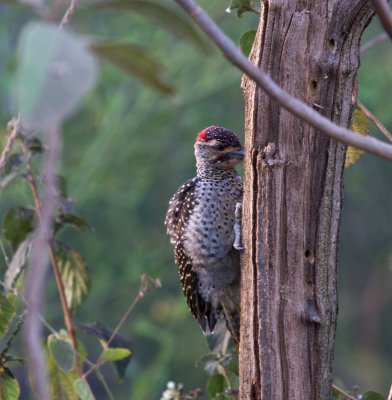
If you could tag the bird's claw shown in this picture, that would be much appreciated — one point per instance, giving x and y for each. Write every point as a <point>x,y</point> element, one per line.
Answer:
<point>237,228</point>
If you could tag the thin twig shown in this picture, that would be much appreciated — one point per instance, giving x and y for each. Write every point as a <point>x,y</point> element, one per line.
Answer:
<point>372,42</point>
<point>56,272</point>
<point>390,394</point>
<point>100,361</point>
<point>68,13</point>
<point>35,278</point>
<point>343,392</point>
<point>13,126</point>
<point>375,120</point>
<point>145,283</point>
<point>384,12</point>
<point>5,255</point>
<point>292,104</point>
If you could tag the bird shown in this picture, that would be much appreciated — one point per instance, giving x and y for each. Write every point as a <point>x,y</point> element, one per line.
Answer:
<point>203,227</point>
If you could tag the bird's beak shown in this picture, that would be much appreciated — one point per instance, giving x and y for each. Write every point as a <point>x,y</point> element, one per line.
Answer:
<point>238,154</point>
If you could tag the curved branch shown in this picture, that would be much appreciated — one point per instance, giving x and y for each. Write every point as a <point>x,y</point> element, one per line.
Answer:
<point>384,12</point>
<point>290,103</point>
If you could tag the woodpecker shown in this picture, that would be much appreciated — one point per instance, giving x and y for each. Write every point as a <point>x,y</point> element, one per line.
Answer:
<point>201,224</point>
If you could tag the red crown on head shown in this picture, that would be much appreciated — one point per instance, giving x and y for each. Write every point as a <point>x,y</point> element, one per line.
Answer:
<point>224,135</point>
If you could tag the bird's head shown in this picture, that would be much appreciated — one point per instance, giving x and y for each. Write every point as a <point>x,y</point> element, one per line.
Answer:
<point>218,147</point>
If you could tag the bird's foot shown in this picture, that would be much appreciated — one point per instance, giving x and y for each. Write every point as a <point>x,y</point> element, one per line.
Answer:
<point>237,227</point>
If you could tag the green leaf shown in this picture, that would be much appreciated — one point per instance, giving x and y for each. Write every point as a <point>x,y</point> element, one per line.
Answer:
<point>83,390</point>
<point>215,386</point>
<point>9,386</point>
<point>134,61</point>
<point>361,126</point>
<point>17,224</point>
<point>61,384</point>
<point>4,356</point>
<point>101,332</point>
<point>61,184</point>
<point>73,220</point>
<point>162,15</point>
<point>34,145</point>
<point>17,264</point>
<point>19,360</point>
<point>115,354</point>
<point>7,314</point>
<point>62,353</point>
<point>233,367</point>
<point>371,395</point>
<point>246,41</point>
<point>75,276</point>
<point>242,6</point>
<point>55,71</point>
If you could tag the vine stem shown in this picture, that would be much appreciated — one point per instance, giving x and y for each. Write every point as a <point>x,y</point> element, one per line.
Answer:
<point>57,275</point>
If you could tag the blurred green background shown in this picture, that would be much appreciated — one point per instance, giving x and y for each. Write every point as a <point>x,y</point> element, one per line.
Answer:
<point>128,149</point>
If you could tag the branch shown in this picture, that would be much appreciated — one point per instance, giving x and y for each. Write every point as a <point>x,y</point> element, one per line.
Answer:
<point>372,42</point>
<point>343,392</point>
<point>38,267</point>
<point>67,16</point>
<point>290,103</point>
<point>385,14</point>
<point>375,120</point>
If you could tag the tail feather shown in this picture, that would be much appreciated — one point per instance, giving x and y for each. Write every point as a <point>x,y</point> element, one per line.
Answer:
<point>233,325</point>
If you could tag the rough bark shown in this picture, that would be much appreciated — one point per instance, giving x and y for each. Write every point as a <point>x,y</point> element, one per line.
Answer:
<point>293,197</point>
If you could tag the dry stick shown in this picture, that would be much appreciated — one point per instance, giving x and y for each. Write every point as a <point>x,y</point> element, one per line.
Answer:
<point>57,275</point>
<point>372,42</point>
<point>68,13</point>
<point>38,267</point>
<point>375,120</point>
<point>14,124</point>
<point>384,12</point>
<point>343,392</point>
<point>292,104</point>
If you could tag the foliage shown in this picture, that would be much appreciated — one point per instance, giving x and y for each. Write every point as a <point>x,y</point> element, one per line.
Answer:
<point>134,61</point>
<point>360,125</point>
<point>126,149</point>
<point>246,41</point>
<point>242,6</point>
<point>9,386</point>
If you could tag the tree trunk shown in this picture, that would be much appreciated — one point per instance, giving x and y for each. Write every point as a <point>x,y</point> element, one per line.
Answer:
<point>293,197</point>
